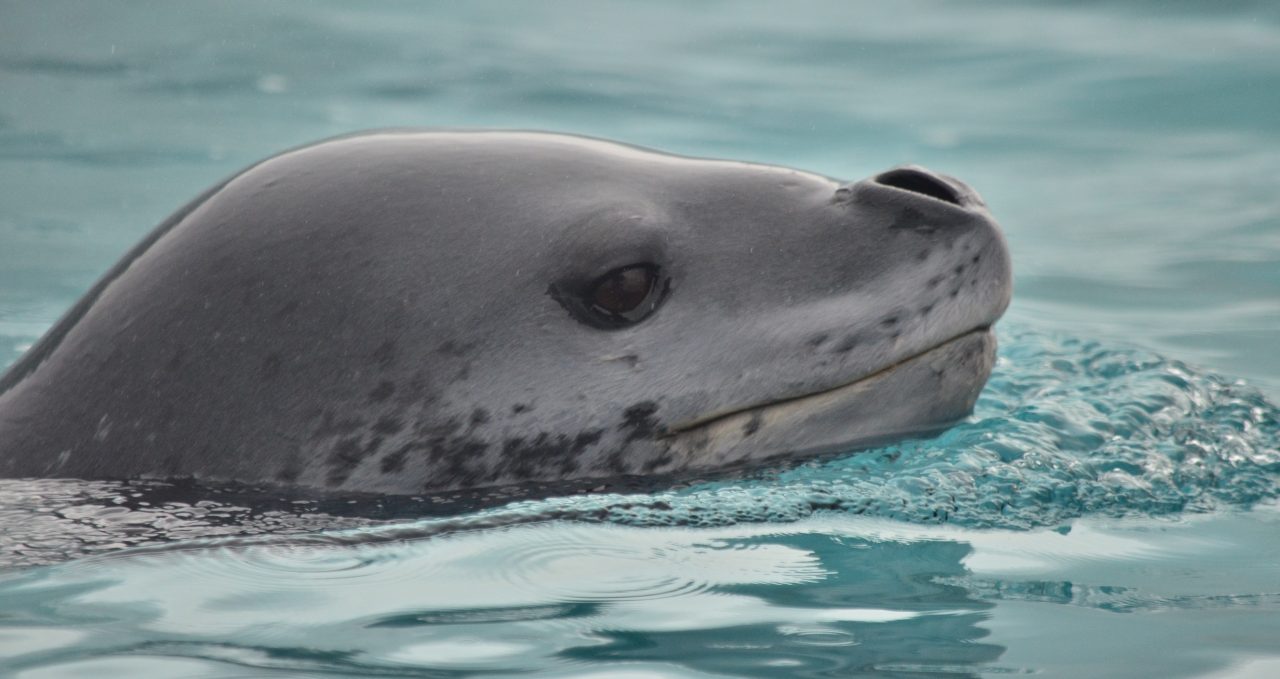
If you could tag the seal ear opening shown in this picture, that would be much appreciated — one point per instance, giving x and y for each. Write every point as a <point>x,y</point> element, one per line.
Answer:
<point>919,181</point>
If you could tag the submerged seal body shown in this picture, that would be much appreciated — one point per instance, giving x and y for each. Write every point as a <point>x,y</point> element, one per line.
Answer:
<point>409,311</point>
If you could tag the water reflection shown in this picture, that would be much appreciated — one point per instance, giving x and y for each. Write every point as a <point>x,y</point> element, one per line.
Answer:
<point>546,598</point>
<point>830,596</point>
<point>935,627</point>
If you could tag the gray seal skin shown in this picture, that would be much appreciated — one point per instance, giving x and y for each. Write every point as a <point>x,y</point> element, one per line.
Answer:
<point>407,311</point>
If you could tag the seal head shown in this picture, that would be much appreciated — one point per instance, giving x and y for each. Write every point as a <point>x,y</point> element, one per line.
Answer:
<point>410,311</point>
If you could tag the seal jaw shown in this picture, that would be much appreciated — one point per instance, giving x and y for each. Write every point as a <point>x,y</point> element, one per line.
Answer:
<point>921,394</point>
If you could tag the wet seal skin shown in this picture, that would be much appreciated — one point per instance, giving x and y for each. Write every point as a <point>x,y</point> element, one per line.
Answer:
<point>414,311</point>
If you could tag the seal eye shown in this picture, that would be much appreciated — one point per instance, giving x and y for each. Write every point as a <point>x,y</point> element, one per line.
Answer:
<point>625,295</point>
<point>620,298</point>
<point>623,290</point>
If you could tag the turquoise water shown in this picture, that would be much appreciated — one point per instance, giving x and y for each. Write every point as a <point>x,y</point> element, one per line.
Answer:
<point>1109,510</point>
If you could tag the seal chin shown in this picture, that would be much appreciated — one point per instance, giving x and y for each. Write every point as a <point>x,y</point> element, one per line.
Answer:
<point>922,394</point>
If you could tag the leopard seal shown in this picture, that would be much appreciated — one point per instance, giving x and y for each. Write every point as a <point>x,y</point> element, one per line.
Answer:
<point>405,311</point>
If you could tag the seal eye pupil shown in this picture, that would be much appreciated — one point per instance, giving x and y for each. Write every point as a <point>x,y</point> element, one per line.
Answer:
<point>624,290</point>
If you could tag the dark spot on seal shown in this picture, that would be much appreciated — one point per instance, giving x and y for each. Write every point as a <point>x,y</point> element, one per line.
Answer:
<point>889,321</point>
<point>271,366</point>
<point>933,282</point>
<point>659,461</point>
<point>753,425</point>
<point>847,344</point>
<point>638,420</point>
<point>346,456</point>
<point>959,269</point>
<point>954,292</point>
<point>461,455</point>
<point>520,408</point>
<point>479,416</point>
<point>616,463</point>
<point>291,469</point>
<point>387,425</point>
<point>926,309</point>
<point>418,390</point>
<point>467,464</point>
<point>922,255</point>
<point>385,355</point>
<point>382,392</point>
<point>818,340</point>
<point>975,259</point>
<point>587,438</point>
<point>545,452</point>
<point>394,462</point>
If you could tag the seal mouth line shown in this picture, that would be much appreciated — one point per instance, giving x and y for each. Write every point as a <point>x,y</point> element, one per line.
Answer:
<point>704,421</point>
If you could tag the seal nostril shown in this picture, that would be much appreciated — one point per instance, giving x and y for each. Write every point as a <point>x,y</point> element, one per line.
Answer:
<point>919,182</point>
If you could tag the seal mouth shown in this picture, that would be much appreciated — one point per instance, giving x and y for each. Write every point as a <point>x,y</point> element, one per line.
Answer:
<point>709,420</point>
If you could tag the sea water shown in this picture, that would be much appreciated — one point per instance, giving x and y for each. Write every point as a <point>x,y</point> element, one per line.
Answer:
<point>1110,509</point>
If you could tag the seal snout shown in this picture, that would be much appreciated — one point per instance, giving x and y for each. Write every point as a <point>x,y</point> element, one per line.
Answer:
<point>919,180</point>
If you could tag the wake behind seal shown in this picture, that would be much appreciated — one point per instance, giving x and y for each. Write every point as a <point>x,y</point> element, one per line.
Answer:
<point>413,311</point>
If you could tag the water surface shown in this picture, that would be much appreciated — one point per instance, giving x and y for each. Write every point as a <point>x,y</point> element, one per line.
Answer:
<point>1108,511</point>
